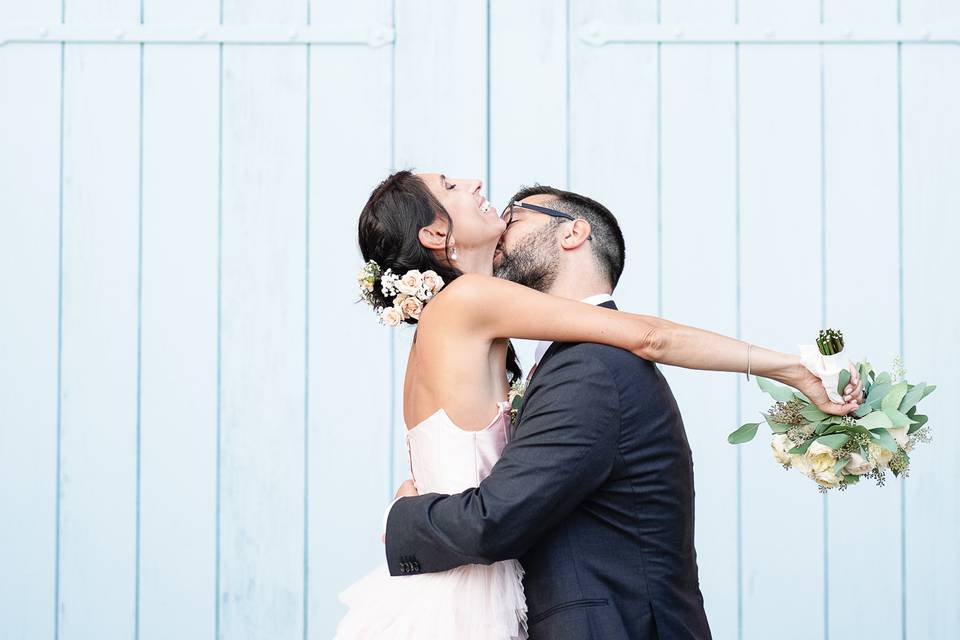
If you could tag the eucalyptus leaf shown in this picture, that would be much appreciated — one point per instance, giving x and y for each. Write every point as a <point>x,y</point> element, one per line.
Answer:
<point>862,410</point>
<point>841,463</point>
<point>883,439</point>
<point>802,448</point>
<point>898,419</point>
<point>877,393</point>
<point>834,441</point>
<point>875,420</point>
<point>744,434</point>
<point>844,381</point>
<point>894,396</point>
<point>851,479</point>
<point>813,414</point>
<point>911,398</point>
<point>778,392</point>
<point>928,390</point>
<point>920,421</point>
<point>883,378</point>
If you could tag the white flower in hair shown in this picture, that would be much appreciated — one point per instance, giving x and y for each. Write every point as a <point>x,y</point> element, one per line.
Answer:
<point>410,283</point>
<point>409,306</point>
<point>391,316</point>
<point>410,292</point>
<point>432,283</point>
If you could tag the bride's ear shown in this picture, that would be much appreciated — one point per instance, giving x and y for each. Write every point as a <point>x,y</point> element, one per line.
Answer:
<point>434,237</point>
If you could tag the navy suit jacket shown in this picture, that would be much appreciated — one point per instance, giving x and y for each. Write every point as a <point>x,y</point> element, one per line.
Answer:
<point>593,494</point>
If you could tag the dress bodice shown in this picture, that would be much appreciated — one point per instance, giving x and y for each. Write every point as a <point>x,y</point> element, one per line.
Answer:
<point>447,459</point>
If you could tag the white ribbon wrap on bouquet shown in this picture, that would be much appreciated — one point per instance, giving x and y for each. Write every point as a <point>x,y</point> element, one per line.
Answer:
<point>827,368</point>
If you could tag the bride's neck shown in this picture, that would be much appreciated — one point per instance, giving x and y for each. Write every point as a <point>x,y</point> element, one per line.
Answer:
<point>476,261</point>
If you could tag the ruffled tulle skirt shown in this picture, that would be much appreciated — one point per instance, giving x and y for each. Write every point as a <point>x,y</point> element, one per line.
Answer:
<point>472,602</point>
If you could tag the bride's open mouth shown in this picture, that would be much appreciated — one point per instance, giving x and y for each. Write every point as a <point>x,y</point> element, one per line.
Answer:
<point>486,207</point>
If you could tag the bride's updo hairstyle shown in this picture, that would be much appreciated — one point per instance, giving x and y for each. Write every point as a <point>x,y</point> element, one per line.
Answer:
<point>389,234</point>
<point>389,231</point>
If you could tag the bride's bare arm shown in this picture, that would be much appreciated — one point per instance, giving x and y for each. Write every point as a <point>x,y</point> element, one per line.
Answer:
<point>497,308</point>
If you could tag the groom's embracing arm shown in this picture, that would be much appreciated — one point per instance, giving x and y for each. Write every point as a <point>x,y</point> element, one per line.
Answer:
<point>564,448</point>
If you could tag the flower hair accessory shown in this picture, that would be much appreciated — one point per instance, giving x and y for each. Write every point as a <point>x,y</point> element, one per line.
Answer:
<point>410,292</point>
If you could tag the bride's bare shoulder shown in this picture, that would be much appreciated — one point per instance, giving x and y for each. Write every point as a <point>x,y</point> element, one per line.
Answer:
<point>466,292</point>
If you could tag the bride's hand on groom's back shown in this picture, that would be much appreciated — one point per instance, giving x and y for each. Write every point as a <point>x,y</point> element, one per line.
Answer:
<point>407,490</point>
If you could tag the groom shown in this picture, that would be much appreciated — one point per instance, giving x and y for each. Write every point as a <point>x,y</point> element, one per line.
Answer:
<point>594,492</point>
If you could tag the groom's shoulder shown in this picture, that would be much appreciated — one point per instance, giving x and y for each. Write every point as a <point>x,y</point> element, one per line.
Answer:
<point>616,360</point>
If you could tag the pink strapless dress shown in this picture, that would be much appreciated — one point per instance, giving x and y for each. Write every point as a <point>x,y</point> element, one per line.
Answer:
<point>471,602</point>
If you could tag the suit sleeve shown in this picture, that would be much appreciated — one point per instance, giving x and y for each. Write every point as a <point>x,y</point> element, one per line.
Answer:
<point>564,448</point>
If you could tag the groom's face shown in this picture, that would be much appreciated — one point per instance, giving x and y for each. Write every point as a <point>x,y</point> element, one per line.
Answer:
<point>529,250</point>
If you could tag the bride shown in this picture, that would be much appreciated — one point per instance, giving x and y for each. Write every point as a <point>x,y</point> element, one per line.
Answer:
<point>430,243</point>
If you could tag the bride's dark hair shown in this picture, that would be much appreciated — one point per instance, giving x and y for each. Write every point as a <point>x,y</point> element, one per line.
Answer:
<point>389,234</point>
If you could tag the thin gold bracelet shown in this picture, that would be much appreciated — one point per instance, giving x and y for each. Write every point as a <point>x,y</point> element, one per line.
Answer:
<point>749,346</point>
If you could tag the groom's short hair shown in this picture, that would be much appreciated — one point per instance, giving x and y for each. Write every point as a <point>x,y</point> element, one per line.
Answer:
<point>608,246</point>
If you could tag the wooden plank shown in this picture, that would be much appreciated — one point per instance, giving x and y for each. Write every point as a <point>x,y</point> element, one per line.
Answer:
<point>262,331</point>
<point>439,125</point>
<point>439,100</point>
<point>699,239</point>
<point>528,91</point>
<point>98,477</point>
<point>613,139</point>
<point>931,201</point>
<point>781,307</point>
<point>860,200</point>
<point>860,97</point>
<point>178,408</point>
<point>349,389</point>
<point>29,284</point>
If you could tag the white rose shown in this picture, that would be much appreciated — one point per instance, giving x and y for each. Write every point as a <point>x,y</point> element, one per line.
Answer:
<point>432,282</point>
<point>827,479</point>
<point>801,464</point>
<point>781,444</point>
<point>881,456</point>
<point>409,306</point>
<point>391,317</point>
<point>410,283</point>
<point>820,457</point>
<point>858,465</point>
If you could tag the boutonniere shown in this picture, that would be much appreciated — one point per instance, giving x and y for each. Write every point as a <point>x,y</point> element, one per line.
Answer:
<point>515,397</point>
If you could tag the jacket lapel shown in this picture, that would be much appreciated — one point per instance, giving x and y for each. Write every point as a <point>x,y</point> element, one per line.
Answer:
<point>609,304</point>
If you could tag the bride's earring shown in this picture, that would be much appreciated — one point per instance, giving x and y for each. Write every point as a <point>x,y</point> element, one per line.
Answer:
<point>453,250</point>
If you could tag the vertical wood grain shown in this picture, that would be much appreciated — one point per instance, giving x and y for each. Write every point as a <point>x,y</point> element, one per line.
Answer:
<point>349,380</point>
<point>780,187</point>
<point>263,312</point>
<point>30,77</point>
<point>179,330</point>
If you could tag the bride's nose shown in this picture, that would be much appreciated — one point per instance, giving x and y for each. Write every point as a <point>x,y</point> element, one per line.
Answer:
<point>473,185</point>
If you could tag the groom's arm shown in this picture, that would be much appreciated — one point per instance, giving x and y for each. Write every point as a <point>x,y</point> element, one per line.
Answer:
<point>565,447</point>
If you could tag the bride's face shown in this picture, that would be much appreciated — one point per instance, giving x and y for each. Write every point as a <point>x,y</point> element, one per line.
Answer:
<point>476,222</point>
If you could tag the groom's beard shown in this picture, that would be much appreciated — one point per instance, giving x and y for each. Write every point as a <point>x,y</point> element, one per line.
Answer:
<point>533,262</point>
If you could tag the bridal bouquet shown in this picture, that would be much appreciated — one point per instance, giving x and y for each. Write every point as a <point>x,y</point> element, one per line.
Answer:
<point>836,451</point>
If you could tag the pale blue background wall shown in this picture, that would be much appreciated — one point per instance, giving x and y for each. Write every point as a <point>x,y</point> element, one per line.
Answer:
<point>199,429</point>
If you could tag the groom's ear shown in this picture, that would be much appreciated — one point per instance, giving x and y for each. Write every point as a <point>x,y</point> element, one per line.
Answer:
<point>576,234</point>
<point>433,237</point>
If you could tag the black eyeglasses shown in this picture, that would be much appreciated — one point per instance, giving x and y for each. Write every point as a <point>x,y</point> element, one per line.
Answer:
<point>508,214</point>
